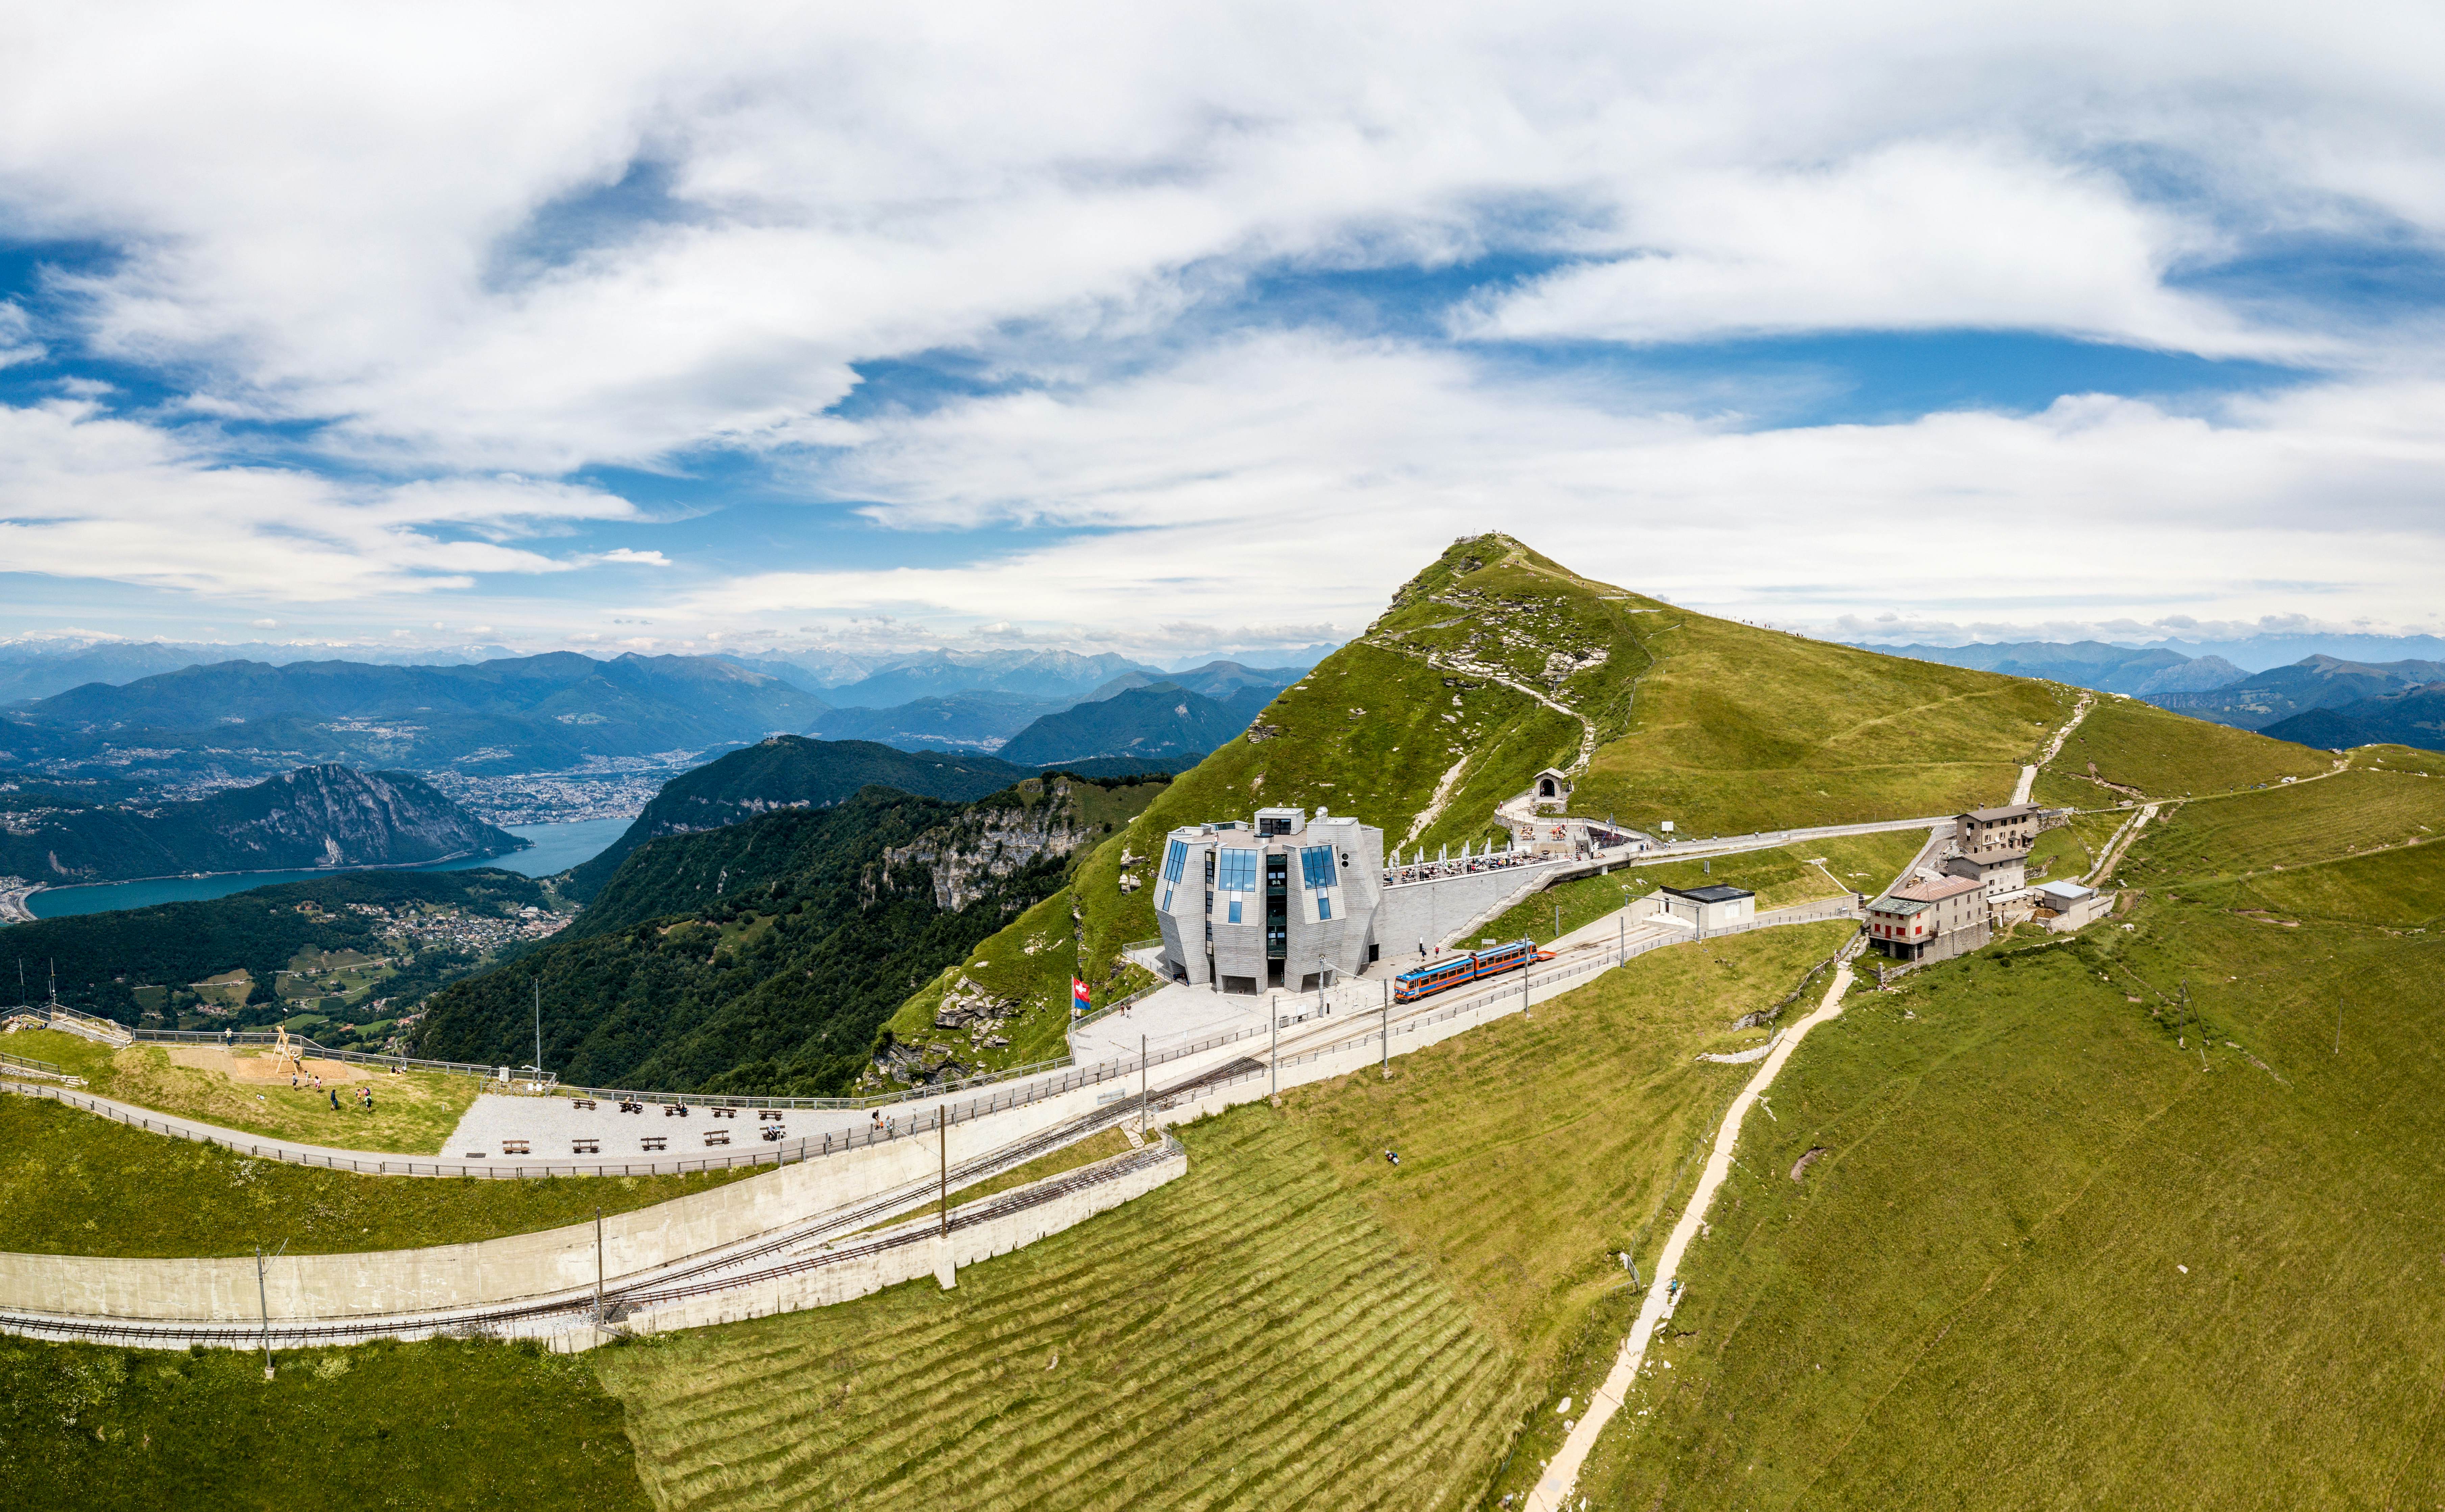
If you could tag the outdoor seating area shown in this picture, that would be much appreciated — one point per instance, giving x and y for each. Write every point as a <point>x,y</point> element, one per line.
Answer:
<point>587,1103</point>
<point>716,1136</point>
<point>776,1133</point>
<point>514,1146</point>
<point>585,1147</point>
<point>654,1142</point>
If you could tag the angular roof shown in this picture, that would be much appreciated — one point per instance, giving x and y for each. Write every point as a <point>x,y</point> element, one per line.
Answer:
<point>2009,811</point>
<point>2066,888</point>
<point>1895,904</point>
<point>1714,894</point>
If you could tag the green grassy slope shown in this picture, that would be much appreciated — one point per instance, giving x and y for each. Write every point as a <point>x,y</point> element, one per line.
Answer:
<point>2165,754</point>
<point>1977,1298</point>
<point>1739,729</point>
<point>72,1184</point>
<point>438,1424</point>
<point>1719,726</point>
<point>1247,1335</point>
<point>1259,1332</point>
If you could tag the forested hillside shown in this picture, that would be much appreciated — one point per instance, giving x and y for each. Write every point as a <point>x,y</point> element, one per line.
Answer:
<point>764,955</point>
<point>315,816</point>
<point>789,771</point>
<point>126,963</point>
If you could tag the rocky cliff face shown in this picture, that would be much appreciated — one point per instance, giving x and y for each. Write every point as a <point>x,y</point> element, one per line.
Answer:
<point>312,817</point>
<point>995,841</point>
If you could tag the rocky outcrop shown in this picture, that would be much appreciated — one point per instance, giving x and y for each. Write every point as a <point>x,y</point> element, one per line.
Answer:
<point>996,840</point>
<point>318,816</point>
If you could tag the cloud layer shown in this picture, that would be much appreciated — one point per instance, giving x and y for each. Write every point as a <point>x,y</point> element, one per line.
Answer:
<point>324,277</point>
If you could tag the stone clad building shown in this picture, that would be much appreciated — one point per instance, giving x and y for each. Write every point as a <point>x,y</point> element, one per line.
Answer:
<point>1297,900</point>
<point>1277,903</point>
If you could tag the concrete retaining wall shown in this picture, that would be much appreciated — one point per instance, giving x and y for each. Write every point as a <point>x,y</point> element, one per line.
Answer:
<point>1434,911</point>
<point>846,1280</point>
<point>522,1265</point>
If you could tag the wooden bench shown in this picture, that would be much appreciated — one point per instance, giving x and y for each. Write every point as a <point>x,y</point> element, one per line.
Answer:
<point>514,1146</point>
<point>724,1112</point>
<point>587,1103</point>
<point>772,1113</point>
<point>715,1136</point>
<point>655,1142</point>
<point>585,1147</point>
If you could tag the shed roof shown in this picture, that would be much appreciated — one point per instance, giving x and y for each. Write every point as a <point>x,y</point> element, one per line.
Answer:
<point>1718,893</point>
<point>2009,811</point>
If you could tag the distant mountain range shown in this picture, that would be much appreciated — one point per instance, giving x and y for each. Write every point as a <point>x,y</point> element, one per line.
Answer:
<point>2413,717</point>
<point>2319,701</point>
<point>39,670</point>
<point>963,722</point>
<point>1160,722</point>
<point>316,817</point>
<point>522,714</point>
<point>2271,697</point>
<point>1048,676</point>
<point>2139,671</point>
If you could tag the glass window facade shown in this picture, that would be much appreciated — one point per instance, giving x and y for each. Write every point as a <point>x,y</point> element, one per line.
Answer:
<point>1235,910</point>
<point>1237,872</point>
<point>1174,860</point>
<point>1317,868</point>
<point>1324,907</point>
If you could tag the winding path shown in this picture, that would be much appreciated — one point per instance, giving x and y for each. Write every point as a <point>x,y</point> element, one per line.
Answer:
<point>1562,1477</point>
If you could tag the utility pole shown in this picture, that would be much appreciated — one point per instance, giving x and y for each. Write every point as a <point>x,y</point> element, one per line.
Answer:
<point>943,1127</point>
<point>1388,1030</point>
<point>1274,1055</point>
<point>1557,919</point>
<point>1142,1086</point>
<point>597,1267</point>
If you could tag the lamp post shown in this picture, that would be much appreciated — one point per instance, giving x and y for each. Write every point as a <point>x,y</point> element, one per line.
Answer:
<point>1387,1031</point>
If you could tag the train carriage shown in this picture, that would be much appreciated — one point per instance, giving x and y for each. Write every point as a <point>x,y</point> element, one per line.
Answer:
<point>1453,970</point>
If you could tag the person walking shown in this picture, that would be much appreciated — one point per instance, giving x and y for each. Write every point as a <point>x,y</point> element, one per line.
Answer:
<point>335,1099</point>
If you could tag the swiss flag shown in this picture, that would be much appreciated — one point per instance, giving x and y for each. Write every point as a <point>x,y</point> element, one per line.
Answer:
<point>1078,995</point>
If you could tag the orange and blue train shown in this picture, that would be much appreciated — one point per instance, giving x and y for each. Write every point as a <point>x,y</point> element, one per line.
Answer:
<point>1468,966</point>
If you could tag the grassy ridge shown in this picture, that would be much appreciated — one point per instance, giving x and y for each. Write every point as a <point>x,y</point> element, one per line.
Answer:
<point>1719,726</point>
<point>1740,729</point>
<point>2167,755</point>
<point>438,1424</point>
<point>71,1183</point>
<point>2394,890</point>
<point>1248,1335</point>
<point>1976,1298</point>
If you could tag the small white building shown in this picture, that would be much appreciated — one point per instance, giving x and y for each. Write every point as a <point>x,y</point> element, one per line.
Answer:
<point>1551,789</point>
<point>2066,906</point>
<point>1706,909</point>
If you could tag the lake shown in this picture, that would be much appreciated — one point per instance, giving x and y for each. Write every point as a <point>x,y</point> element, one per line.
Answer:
<point>557,847</point>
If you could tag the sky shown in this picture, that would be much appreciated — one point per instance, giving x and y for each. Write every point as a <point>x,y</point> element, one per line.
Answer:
<point>1166,330</point>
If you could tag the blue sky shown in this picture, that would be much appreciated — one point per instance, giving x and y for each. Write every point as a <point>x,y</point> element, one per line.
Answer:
<point>750,328</point>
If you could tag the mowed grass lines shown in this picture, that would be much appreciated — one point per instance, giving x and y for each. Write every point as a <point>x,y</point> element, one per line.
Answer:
<point>74,1184</point>
<point>2169,755</point>
<point>2056,1256</point>
<point>2350,813</point>
<point>1535,1151</point>
<point>1247,1335</point>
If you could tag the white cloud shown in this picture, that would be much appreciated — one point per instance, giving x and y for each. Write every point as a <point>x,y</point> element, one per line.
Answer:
<point>1297,481</point>
<point>354,238</point>
<point>85,494</point>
